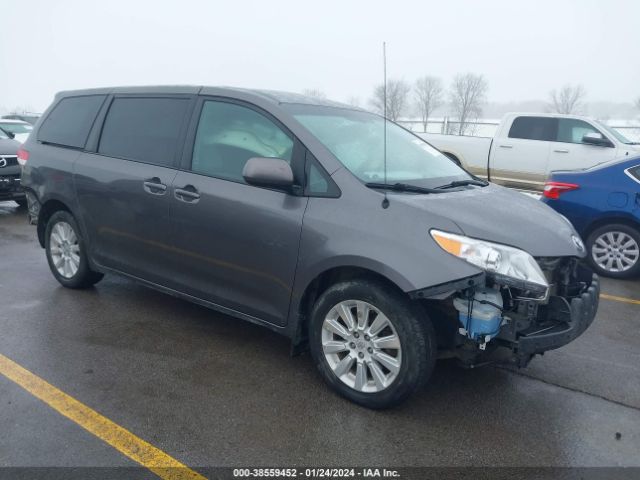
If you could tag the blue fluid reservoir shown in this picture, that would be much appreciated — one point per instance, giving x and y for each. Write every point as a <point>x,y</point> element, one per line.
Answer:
<point>485,319</point>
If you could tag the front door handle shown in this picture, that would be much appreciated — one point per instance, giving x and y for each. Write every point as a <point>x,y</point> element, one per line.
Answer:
<point>561,150</point>
<point>154,186</point>
<point>506,146</point>
<point>188,194</point>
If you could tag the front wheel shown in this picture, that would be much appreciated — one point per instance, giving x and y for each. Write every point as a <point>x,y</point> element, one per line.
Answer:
<point>66,252</point>
<point>614,251</point>
<point>370,343</point>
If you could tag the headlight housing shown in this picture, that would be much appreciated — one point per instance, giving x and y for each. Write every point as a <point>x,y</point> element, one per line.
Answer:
<point>510,266</point>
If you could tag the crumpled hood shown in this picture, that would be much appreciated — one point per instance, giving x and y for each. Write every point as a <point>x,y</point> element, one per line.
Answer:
<point>500,215</point>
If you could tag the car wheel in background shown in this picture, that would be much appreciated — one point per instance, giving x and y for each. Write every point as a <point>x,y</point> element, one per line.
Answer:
<point>66,252</point>
<point>614,251</point>
<point>371,343</point>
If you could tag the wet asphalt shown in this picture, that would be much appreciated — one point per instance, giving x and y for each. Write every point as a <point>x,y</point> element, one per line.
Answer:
<point>211,390</point>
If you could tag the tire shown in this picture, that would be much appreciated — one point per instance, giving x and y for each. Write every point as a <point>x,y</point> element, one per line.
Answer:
<point>63,239</point>
<point>608,243</point>
<point>416,352</point>
<point>22,202</point>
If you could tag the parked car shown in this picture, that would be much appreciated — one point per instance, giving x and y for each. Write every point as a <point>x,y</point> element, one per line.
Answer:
<point>603,204</point>
<point>30,118</point>
<point>17,129</point>
<point>527,146</point>
<point>10,188</point>
<point>284,211</point>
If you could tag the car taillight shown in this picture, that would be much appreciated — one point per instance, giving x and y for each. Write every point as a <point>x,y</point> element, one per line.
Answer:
<point>553,190</point>
<point>23,156</point>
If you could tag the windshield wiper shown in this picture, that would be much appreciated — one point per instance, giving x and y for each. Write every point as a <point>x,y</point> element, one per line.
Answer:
<point>402,187</point>
<point>464,183</point>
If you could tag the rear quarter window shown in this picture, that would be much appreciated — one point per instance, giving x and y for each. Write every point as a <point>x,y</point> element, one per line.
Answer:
<point>70,121</point>
<point>143,129</point>
<point>534,128</point>
<point>634,172</point>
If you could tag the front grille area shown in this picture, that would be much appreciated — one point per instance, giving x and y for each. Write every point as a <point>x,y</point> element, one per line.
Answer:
<point>10,160</point>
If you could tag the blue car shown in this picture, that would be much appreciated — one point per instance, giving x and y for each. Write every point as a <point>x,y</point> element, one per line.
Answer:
<point>603,204</point>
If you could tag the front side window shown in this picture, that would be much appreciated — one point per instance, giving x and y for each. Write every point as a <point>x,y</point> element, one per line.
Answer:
<point>356,138</point>
<point>70,121</point>
<point>534,128</point>
<point>143,129</point>
<point>229,135</point>
<point>572,130</point>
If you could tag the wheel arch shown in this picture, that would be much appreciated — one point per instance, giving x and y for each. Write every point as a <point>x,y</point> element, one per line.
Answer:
<point>48,208</point>
<point>318,285</point>
<point>627,220</point>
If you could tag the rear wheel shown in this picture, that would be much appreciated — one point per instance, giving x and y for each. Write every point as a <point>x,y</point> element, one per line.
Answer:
<point>66,252</point>
<point>614,251</point>
<point>370,343</point>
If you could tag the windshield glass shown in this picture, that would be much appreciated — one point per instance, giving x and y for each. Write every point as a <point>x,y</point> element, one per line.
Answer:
<point>615,133</point>
<point>16,127</point>
<point>356,139</point>
<point>3,135</point>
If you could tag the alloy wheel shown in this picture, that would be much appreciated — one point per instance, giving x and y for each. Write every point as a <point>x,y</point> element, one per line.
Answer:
<point>615,251</point>
<point>361,346</point>
<point>65,250</point>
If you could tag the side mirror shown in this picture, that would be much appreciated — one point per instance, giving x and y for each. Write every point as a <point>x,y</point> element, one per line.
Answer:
<point>598,139</point>
<point>268,172</point>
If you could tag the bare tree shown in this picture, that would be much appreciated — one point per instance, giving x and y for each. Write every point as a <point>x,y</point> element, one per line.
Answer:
<point>468,93</point>
<point>397,98</point>
<point>569,99</point>
<point>314,92</point>
<point>428,92</point>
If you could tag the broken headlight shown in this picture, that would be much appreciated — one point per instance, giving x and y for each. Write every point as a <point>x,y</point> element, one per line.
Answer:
<point>508,265</point>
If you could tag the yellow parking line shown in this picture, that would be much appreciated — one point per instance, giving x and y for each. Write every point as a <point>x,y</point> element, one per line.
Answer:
<point>119,438</point>
<point>620,299</point>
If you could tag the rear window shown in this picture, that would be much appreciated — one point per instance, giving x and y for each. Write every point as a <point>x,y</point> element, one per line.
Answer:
<point>143,129</point>
<point>70,121</point>
<point>534,128</point>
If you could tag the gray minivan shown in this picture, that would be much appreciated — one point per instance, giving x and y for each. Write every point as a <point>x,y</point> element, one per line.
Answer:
<point>323,222</point>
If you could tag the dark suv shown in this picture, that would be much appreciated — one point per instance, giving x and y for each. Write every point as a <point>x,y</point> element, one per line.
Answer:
<point>10,188</point>
<point>325,223</point>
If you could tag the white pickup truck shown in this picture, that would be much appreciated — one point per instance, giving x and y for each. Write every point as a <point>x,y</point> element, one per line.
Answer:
<point>527,146</point>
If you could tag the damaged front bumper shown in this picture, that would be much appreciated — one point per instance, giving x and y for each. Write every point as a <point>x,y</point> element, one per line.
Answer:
<point>527,325</point>
<point>560,322</point>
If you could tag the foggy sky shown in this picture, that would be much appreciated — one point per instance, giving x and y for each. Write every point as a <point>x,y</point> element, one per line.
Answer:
<point>523,48</point>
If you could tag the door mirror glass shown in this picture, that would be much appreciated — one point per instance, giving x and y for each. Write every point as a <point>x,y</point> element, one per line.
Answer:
<point>594,138</point>
<point>268,172</point>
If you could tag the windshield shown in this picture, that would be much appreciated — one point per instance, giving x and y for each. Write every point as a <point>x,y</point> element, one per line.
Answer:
<point>3,135</point>
<point>615,133</point>
<point>16,127</point>
<point>356,139</point>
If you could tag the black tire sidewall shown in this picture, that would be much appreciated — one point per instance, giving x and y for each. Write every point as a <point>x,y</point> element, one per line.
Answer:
<point>414,329</point>
<point>619,227</point>
<point>84,277</point>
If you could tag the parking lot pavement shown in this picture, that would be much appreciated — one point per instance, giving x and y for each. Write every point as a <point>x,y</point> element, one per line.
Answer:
<point>213,391</point>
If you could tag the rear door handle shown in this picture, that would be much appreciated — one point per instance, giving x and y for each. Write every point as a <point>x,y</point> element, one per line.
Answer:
<point>561,150</point>
<point>506,146</point>
<point>188,194</point>
<point>154,186</point>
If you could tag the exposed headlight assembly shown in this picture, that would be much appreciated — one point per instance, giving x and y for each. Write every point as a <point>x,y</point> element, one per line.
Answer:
<point>508,265</point>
